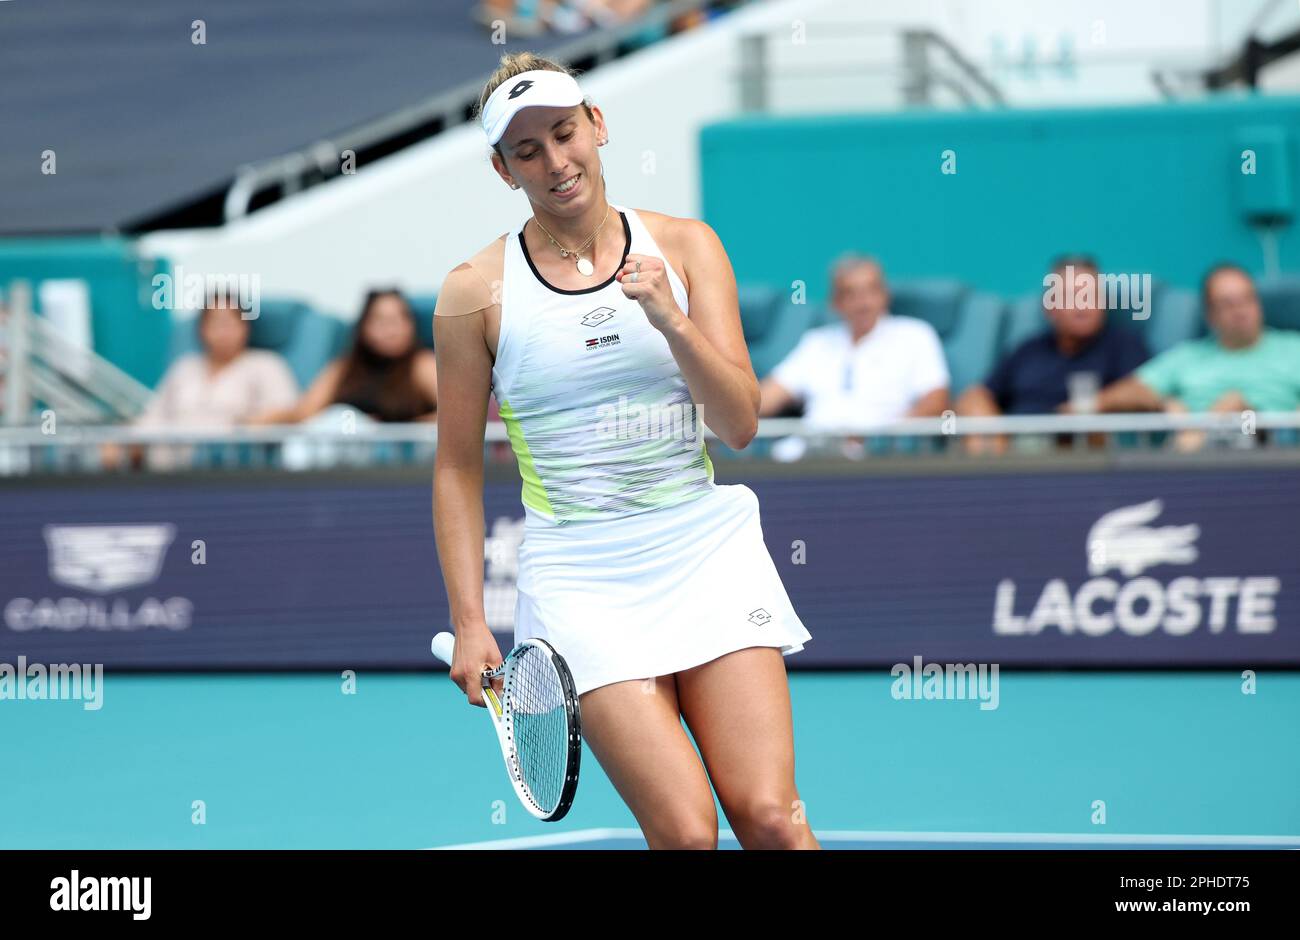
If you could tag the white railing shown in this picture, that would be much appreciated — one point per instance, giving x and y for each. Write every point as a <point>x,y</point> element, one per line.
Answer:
<point>293,172</point>
<point>953,426</point>
<point>41,365</point>
<point>957,426</point>
<point>32,451</point>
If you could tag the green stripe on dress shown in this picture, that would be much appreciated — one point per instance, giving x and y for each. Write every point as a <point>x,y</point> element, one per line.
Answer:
<point>534,493</point>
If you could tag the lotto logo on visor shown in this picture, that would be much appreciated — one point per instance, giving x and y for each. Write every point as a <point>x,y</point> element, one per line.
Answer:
<point>538,88</point>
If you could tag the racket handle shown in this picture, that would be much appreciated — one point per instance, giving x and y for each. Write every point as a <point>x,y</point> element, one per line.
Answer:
<point>443,646</point>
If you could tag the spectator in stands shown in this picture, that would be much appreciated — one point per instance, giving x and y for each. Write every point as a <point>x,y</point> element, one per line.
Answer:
<point>223,385</point>
<point>1242,365</point>
<point>518,23</point>
<point>872,368</point>
<point>386,375</point>
<point>524,18</point>
<point>1035,377</point>
<point>613,12</point>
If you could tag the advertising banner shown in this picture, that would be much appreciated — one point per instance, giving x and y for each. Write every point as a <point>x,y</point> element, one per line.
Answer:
<point>1197,568</point>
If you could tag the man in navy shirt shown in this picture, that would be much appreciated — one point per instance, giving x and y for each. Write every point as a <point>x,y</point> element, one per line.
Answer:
<point>1035,377</point>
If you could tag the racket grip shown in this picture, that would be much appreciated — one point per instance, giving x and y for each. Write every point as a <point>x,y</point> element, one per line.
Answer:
<point>443,646</point>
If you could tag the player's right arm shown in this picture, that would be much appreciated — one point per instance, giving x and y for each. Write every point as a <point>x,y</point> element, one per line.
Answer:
<point>464,384</point>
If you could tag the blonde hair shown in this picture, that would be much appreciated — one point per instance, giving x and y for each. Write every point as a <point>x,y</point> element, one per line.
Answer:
<point>516,63</point>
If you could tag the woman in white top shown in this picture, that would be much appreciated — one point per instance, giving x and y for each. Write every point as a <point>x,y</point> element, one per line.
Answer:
<point>222,386</point>
<point>652,581</point>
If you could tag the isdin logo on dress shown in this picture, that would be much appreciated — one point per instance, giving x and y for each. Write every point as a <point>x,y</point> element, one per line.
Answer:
<point>596,318</point>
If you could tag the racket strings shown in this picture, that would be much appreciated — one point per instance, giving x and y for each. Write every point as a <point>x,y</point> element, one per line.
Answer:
<point>540,720</point>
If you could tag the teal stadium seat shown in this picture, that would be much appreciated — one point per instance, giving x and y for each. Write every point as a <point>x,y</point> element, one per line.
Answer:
<point>970,323</point>
<point>305,338</point>
<point>422,305</point>
<point>1174,316</point>
<point>1280,298</point>
<point>772,324</point>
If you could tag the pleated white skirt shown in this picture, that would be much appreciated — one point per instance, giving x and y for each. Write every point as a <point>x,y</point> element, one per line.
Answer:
<point>656,592</point>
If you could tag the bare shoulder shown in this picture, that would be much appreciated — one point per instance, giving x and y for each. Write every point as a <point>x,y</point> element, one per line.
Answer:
<point>490,259</point>
<point>475,284</point>
<point>682,240</point>
<point>671,228</point>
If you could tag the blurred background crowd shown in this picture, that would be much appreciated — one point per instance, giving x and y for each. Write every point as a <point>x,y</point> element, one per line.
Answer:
<point>870,367</point>
<point>859,325</point>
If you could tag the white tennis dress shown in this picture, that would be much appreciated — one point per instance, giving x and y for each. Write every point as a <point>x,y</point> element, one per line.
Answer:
<point>634,563</point>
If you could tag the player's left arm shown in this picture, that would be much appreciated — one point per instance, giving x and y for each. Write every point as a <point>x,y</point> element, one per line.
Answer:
<point>709,345</point>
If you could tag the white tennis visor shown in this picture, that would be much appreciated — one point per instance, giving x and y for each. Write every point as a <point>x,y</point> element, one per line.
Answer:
<point>538,88</point>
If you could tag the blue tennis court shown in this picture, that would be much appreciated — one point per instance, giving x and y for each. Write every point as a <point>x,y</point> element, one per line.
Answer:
<point>285,760</point>
<point>631,839</point>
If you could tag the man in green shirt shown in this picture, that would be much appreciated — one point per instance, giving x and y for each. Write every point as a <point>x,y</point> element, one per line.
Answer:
<point>1242,365</point>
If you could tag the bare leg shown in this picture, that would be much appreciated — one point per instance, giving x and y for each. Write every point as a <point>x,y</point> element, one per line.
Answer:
<point>635,731</point>
<point>738,708</point>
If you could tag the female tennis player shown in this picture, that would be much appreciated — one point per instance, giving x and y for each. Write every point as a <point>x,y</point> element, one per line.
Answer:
<point>603,330</point>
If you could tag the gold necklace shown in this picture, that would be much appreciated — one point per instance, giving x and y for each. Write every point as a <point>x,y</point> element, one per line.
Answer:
<point>585,267</point>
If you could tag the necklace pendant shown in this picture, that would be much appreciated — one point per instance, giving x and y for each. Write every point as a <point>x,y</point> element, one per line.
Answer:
<point>586,268</point>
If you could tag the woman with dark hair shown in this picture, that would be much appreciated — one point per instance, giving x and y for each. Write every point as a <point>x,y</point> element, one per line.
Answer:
<point>385,375</point>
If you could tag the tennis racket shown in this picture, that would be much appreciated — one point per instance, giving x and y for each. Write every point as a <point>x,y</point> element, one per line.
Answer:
<point>537,722</point>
